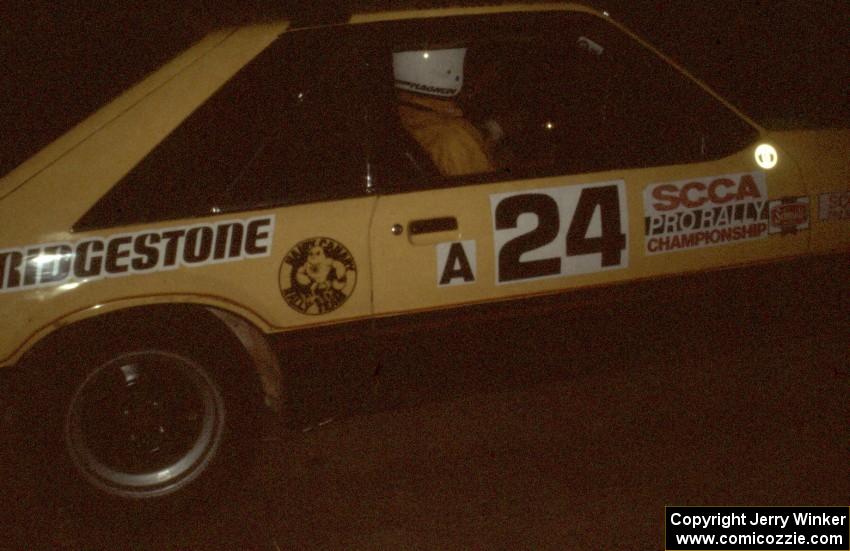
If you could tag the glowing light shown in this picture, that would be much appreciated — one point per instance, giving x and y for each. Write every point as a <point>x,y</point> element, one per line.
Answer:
<point>549,125</point>
<point>766,156</point>
<point>43,259</point>
<point>606,14</point>
<point>426,55</point>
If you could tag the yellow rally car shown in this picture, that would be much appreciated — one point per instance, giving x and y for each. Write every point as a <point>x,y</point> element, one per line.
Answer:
<point>288,176</point>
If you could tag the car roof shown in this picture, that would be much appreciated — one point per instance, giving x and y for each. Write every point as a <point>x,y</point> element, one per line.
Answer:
<point>447,11</point>
<point>355,12</point>
<point>216,43</point>
<point>311,16</point>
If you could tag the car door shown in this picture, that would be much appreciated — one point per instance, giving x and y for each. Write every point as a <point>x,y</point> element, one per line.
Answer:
<point>595,178</point>
<point>496,240</point>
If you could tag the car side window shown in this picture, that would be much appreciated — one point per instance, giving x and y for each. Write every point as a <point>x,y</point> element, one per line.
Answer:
<point>657,116</point>
<point>543,95</point>
<point>280,132</point>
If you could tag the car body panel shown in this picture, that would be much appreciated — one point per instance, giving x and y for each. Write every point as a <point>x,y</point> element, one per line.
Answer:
<point>96,121</point>
<point>252,282</point>
<point>827,179</point>
<point>75,167</point>
<point>406,274</point>
<point>363,268</point>
<point>426,13</point>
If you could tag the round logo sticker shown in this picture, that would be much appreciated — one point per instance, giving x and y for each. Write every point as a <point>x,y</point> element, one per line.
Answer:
<point>317,276</point>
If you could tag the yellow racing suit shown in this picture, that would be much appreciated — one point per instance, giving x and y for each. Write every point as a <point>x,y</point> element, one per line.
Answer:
<point>453,143</point>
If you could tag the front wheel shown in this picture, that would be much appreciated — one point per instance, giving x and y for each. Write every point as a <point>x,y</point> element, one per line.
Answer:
<point>145,424</point>
<point>142,412</point>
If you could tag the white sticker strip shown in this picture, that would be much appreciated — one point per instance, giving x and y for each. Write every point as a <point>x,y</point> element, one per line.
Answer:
<point>560,231</point>
<point>705,212</point>
<point>153,250</point>
<point>834,206</point>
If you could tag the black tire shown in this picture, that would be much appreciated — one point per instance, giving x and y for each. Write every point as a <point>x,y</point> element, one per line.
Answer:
<point>149,414</point>
<point>144,424</point>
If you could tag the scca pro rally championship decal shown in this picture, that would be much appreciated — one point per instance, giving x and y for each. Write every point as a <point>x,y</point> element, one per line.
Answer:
<point>317,276</point>
<point>141,252</point>
<point>560,231</point>
<point>705,212</point>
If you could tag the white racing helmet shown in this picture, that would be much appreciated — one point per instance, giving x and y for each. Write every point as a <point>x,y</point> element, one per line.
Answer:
<point>431,72</point>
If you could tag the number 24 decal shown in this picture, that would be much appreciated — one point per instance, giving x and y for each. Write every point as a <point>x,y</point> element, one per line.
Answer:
<point>587,246</point>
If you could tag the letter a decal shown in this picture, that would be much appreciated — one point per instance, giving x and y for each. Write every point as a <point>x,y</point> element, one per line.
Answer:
<point>455,263</point>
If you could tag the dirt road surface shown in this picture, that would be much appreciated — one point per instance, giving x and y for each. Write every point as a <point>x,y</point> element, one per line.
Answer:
<point>567,433</point>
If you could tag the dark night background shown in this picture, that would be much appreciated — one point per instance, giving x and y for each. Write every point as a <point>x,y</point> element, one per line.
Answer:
<point>739,397</point>
<point>783,62</point>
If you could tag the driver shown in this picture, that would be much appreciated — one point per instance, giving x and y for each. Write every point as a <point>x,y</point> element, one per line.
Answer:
<point>427,81</point>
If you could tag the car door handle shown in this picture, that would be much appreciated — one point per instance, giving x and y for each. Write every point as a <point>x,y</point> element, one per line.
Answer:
<point>432,225</point>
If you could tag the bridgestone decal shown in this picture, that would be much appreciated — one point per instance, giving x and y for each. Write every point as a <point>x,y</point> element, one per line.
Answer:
<point>142,252</point>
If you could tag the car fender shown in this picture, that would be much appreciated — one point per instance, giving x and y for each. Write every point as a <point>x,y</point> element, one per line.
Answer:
<point>246,326</point>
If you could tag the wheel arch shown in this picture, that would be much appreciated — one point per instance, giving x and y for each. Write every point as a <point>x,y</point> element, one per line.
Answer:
<point>244,328</point>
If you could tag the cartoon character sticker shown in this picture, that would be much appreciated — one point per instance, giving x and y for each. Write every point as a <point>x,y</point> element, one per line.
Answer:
<point>317,276</point>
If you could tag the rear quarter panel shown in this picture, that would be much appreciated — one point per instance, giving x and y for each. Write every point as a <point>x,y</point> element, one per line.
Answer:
<point>824,160</point>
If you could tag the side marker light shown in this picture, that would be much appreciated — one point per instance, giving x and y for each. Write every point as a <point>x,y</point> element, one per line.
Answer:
<point>766,156</point>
